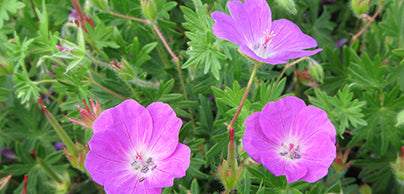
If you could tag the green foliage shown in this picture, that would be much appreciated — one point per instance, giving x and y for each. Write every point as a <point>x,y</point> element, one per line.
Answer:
<point>203,47</point>
<point>343,111</point>
<point>123,58</point>
<point>8,6</point>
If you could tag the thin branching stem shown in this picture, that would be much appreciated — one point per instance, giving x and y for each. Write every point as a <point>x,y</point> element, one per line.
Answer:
<point>287,66</point>
<point>128,17</point>
<point>368,24</point>
<point>247,90</point>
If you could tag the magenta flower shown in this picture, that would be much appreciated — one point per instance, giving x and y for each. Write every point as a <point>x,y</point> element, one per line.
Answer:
<point>250,27</point>
<point>292,139</point>
<point>136,150</point>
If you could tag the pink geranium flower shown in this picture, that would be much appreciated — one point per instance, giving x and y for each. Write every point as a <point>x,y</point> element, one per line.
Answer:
<point>292,139</point>
<point>251,27</point>
<point>136,150</point>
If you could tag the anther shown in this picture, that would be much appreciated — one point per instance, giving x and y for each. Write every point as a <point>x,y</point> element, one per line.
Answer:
<point>141,179</point>
<point>144,169</point>
<point>154,167</point>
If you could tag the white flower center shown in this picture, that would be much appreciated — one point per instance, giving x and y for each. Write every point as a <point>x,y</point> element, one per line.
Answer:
<point>263,45</point>
<point>143,165</point>
<point>290,151</point>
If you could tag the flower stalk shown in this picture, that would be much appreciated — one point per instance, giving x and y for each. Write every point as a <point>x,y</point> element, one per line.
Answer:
<point>247,90</point>
<point>59,130</point>
<point>47,168</point>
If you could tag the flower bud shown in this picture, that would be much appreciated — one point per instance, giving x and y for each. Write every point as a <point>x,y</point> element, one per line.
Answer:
<point>87,114</point>
<point>400,118</point>
<point>316,71</point>
<point>4,181</point>
<point>340,163</point>
<point>359,7</point>
<point>398,167</point>
<point>228,175</point>
<point>77,161</point>
<point>304,77</point>
<point>288,5</point>
<point>365,189</point>
<point>149,9</point>
<point>100,4</point>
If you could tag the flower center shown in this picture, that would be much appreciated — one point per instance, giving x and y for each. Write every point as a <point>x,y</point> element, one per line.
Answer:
<point>143,166</point>
<point>261,47</point>
<point>292,151</point>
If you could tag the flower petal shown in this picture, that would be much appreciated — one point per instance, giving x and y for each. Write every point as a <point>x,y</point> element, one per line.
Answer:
<point>253,19</point>
<point>289,41</point>
<point>277,118</point>
<point>317,156</point>
<point>311,121</point>
<point>273,162</point>
<point>225,28</point>
<point>172,167</point>
<point>106,149</point>
<point>127,183</point>
<point>273,61</point>
<point>130,119</point>
<point>254,140</point>
<point>166,126</point>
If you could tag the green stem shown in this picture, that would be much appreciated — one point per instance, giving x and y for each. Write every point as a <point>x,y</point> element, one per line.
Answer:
<point>247,90</point>
<point>129,17</point>
<point>47,169</point>
<point>177,63</point>
<point>287,66</point>
<point>45,81</point>
<point>106,89</point>
<point>160,51</point>
<point>59,130</point>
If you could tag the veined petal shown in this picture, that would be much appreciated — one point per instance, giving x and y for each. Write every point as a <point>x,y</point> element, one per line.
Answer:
<point>172,167</point>
<point>273,61</point>
<point>311,121</point>
<point>273,162</point>
<point>106,149</point>
<point>225,28</point>
<point>254,141</point>
<point>317,155</point>
<point>289,41</point>
<point>166,126</point>
<point>127,183</point>
<point>295,171</point>
<point>253,19</point>
<point>129,119</point>
<point>278,117</point>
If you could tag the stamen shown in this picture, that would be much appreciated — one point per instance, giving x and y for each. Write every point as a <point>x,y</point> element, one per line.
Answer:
<point>268,36</point>
<point>292,151</point>
<point>154,167</point>
<point>144,169</point>
<point>141,179</point>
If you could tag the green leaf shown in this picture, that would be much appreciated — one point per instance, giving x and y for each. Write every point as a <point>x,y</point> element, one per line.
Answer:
<point>343,110</point>
<point>8,6</point>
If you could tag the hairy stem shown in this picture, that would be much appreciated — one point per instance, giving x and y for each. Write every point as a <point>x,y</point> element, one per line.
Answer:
<point>247,90</point>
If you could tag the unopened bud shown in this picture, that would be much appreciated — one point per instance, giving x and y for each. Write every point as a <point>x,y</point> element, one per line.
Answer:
<point>365,189</point>
<point>400,118</point>
<point>398,168</point>
<point>288,5</point>
<point>149,9</point>
<point>359,7</point>
<point>100,4</point>
<point>316,71</point>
